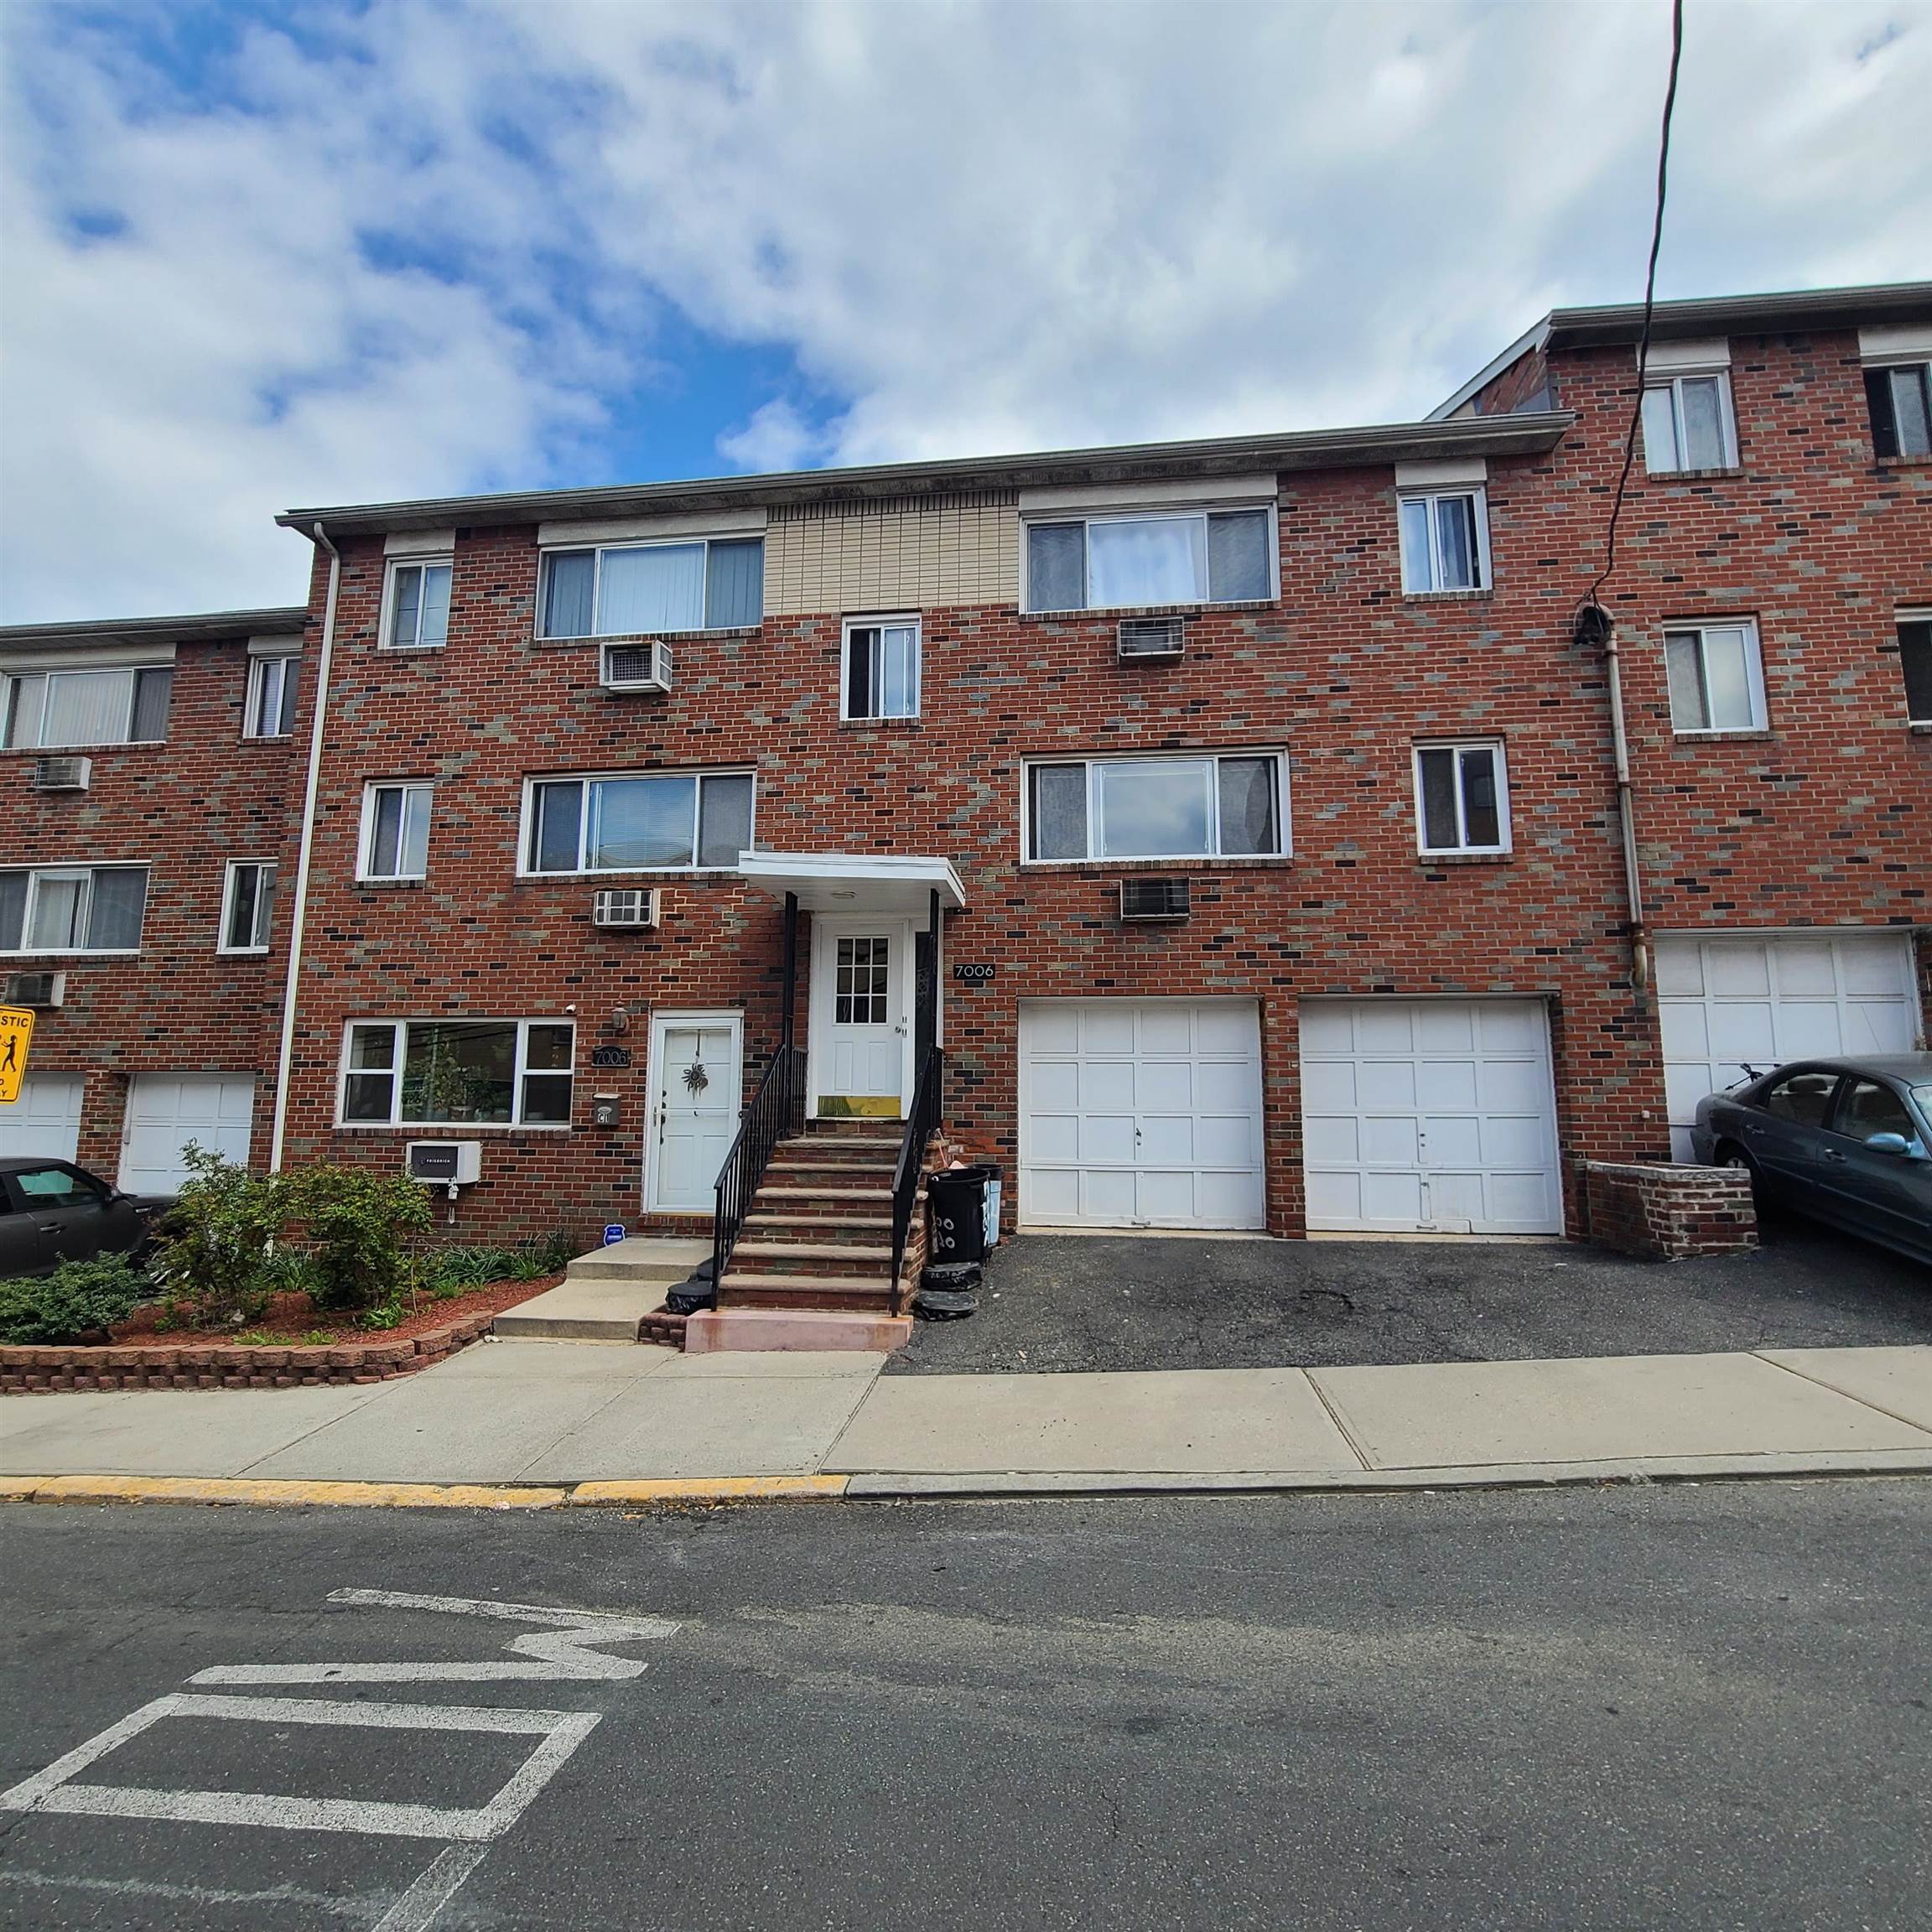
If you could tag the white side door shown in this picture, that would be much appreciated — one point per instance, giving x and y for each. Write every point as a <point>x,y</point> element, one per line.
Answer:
<point>44,1123</point>
<point>861,1036</point>
<point>166,1111</point>
<point>696,1092</point>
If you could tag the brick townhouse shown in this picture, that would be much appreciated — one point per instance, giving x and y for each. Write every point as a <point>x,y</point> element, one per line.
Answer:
<point>1240,820</point>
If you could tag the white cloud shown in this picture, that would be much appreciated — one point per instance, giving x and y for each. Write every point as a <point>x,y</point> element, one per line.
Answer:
<point>424,248</point>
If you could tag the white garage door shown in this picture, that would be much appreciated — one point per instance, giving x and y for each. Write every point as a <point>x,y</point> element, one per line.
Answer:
<point>1429,1115</point>
<point>44,1123</point>
<point>1744,999</point>
<point>165,1111</point>
<point>1141,1114</point>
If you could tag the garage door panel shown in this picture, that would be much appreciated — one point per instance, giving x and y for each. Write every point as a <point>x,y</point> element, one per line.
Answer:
<point>1229,1200</point>
<point>1513,1085</point>
<point>1225,1030</point>
<point>1055,1086</point>
<point>1390,1030</point>
<point>1802,967</point>
<point>1106,1086</point>
<point>1686,1084</point>
<point>1513,1140</point>
<point>1226,1140</point>
<point>1391,1139</point>
<point>1054,1193</point>
<point>1110,1196</point>
<point>1391,1199</point>
<point>1224,1086</point>
<point>1166,1140</point>
<point>1523,1202</point>
<point>1327,1085</point>
<point>1164,1087</point>
<point>1054,1031</point>
<point>1166,1031</point>
<point>1449,1085</point>
<point>1743,1032</point>
<point>1333,1140</point>
<point>1104,1030</point>
<point>1447,1028</point>
<point>1336,1198</point>
<point>1875,969</point>
<point>1326,1029</point>
<point>1679,970</point>
<point>1871,1027</point>
<point>1736,971</point>
<point>44,1123</point>
<point>1056,1138</point>
<point>1803,1029</point>
<point>167,1111</point>
<point>1386,1083</point>
<point>1107,1139</point>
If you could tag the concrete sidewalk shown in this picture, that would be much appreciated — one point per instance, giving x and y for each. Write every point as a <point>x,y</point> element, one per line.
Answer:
<point>549,1413</point>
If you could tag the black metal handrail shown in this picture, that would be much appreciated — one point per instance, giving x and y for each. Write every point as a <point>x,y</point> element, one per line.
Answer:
<point>776,1109</point>
<point>922,1123</point>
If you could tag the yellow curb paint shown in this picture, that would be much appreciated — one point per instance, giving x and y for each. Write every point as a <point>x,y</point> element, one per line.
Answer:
<point>17,1488</point>
<point>713,1489</point>
<point>289,1494</point>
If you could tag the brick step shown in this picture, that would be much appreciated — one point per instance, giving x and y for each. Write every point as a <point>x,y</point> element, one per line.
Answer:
<point>864,1161</point>
<point>812,1258</point>
<point>804,1291</point>
<point>860,1228</point>
<point>788,1198</point>
<point>822,1180</point>
<point>877,1128</point>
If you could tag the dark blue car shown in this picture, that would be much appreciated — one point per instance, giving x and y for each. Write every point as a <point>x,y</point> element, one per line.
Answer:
<point>1846,1141</point>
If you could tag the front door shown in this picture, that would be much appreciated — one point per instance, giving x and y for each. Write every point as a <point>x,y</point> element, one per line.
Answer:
<point>861,1017</point>
<point>696,1096</point>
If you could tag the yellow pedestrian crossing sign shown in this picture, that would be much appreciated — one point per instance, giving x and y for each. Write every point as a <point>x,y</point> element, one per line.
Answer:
<point>16,1036</point>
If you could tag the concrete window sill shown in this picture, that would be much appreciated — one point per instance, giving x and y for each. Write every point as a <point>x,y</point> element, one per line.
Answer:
<point>1481,595</point>
<point>1749,737</point>
<point>1430,860</point>
<point>1231,862</point>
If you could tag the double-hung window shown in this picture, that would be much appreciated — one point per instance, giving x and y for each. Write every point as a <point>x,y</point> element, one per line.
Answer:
<point>451,1072</point>
<point>65,710</point>
<point>248,906</point>
<point>880,677</point>
<point>1900,400</point>
<point>672,821</point>
<point>1104,563</point>
<point>1688,425</point>
<point>1717,677</point>
<point>1444,540</point>
<point>395,831</point>
<point>1223,806</point>
<point>648,589</point>
<point>73,909</point>
<point>1461,797</point>
<point>1915,659</point>
<point>416,616</point>
<point>271,697</point>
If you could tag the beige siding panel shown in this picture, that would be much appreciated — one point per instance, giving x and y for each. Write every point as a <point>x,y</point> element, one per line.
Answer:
<point>892,556</point>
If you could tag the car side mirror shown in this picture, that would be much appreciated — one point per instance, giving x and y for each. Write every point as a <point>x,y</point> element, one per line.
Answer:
<point>1893,1144</point>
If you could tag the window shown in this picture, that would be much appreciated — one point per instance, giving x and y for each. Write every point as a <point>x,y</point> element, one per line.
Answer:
<point>271,697</point>
<point>1915,658</point>
<point>1901,405</point>
<point>881,676</point>
<point>395,832</point>
<point>449,1073</point>
<point>675,821</point>
<point>1802,1099</point>
<point>1461,797</point>
<point>635,589</point>
<point>1688,425</point>
<point>1444,540</point>
<point>417,613</point>
<point>247,905</point>
<point>55,1186</point>
<point>1717,681</point>
<point>864,978</point>
<point>1202,807</point>
<point>1112,563</point>
<point>1867,1107</point>
<point>73,909</point>
<point>60,710</point>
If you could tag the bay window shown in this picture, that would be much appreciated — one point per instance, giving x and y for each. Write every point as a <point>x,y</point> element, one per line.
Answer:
<point>670,821</point>
<point>1227,805</point>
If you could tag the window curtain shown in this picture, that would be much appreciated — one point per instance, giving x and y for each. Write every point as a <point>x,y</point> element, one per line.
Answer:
<point>88,708</point>
<point>119,898</point>
<point>660,588</point>
<point>1237,557</point>
<point>724,830</point>
<point>1056,567</point>
<point>1059,811</point>
<point>1148,560</point>
<point>734,583</point>
<point>641,821</point>
<point>1248,806</point>
<point>569,583</point>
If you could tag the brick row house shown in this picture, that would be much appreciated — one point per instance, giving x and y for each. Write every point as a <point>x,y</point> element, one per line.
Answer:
<point>1217,836</point>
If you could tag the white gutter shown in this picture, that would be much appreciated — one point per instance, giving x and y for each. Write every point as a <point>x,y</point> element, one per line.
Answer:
<point>300,917</point>
<point>1626,815</point>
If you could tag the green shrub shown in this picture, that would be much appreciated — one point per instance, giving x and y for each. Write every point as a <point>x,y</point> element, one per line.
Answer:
<point>77,1299</point>
<point>217,1239</point>
<point>360,1222</point>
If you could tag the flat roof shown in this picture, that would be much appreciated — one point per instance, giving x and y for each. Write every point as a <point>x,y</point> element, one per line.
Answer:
<point>201,627</point>
<point>1127,463</point>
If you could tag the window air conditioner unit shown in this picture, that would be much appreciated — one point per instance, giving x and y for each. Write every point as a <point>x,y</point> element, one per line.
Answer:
<point>444,1163</point>
<point>62,773</point>
<point>1142,899</point>
<point>1144,638</point>
<point>645,667</point>
<point>36,989</point>
<point>625,906</point>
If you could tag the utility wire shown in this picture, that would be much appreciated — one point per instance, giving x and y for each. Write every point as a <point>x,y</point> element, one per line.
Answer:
<point>1590,602</point>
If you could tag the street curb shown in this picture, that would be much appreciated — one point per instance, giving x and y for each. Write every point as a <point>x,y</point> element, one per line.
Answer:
<point>287,1493</point>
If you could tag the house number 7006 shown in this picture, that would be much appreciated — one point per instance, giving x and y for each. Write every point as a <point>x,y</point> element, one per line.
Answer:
<point>973,975</point>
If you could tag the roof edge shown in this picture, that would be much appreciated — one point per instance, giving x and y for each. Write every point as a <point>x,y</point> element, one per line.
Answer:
<point>202,627</point>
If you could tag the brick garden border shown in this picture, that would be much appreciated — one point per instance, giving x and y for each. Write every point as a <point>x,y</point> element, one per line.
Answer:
<point>200,1364</point>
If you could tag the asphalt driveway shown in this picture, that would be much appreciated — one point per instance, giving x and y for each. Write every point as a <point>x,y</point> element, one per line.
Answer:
<point>1060,1303</point>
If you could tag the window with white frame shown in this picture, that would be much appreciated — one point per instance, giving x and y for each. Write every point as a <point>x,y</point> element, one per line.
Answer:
<point>881,677</point>
<point>1462,796</point>
<point>1900,399</point>
<point>1445,539</point>
<point>416,616</point>
<point>1688,423</point>
<point>664,821</point>
<point>637,590</point>
<point>248,906</point>
<point>457,1072</point>
<point>72,908</point>
<point>1717,677</point>
<point>1915,660</point>
<point>67,710</point>
<point>1220,805</point>
<point>1122,562</point>
<point>271,697</point>
<point>395,831</point>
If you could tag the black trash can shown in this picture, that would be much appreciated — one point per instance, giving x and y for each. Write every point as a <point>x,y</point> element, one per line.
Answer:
<point>957,1199</point>
<point>948,1291</point>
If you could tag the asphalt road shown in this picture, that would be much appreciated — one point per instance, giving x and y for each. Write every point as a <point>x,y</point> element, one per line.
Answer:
<point>1073,1302</point>
<point>1688,1708</point>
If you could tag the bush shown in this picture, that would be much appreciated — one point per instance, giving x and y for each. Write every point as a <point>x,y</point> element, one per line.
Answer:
<point>359,1221</point>
<point>217,1238</point>
<point>77,1299</point>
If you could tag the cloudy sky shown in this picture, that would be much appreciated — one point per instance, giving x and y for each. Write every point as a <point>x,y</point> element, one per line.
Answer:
<point>269,254</point>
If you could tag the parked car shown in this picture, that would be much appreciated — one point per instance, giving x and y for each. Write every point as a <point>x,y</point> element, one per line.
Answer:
<point>51,1211</point>
<point>1846,1141</point>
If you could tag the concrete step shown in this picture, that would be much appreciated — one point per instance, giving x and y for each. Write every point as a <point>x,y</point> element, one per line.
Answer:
<point>793,1226</point>
<point>843,1143</point>
<point>662,1258</point>
<point>746,1290</point>
<point>816,1258</point>
<point>717,1330</point>
<point>583,1310</point>
<point>788,1198</point>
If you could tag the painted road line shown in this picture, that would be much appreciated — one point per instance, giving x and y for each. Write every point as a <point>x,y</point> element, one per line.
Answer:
<point>558,1733</point>
<point>567,1651</point>
<point>414,1911</point>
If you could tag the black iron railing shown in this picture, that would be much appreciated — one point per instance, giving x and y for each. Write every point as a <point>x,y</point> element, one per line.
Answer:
<point>776,1110</point>
<point>922,1122</point>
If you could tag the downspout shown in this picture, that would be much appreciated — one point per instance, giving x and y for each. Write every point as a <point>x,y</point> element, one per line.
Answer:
<point>1596,625</point>
<point>300,917</point>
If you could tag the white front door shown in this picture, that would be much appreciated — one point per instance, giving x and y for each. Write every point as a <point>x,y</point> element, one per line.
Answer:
<point>696,1092</point>
<point>861,1036</point>
<point>167,1111</point>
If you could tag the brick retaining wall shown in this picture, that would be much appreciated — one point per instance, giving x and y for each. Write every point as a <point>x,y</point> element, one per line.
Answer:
<point>1667,1213</point>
